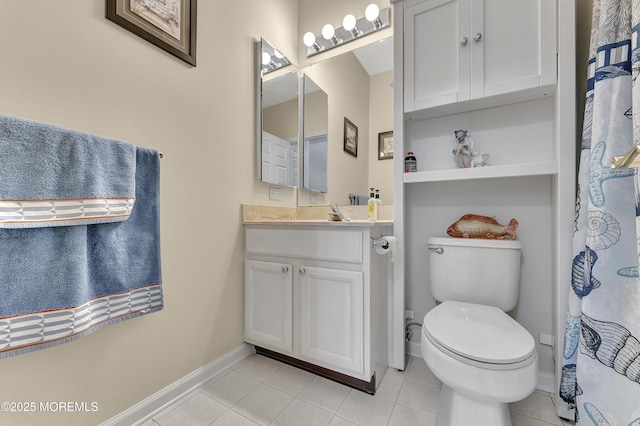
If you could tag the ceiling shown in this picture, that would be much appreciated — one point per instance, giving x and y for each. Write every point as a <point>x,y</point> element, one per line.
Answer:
<point>376,57</point>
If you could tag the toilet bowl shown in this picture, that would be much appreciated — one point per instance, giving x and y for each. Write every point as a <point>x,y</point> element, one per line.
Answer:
<point>483,357</point>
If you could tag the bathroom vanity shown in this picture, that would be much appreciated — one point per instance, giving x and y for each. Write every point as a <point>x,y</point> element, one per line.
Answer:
<point>316,295</point>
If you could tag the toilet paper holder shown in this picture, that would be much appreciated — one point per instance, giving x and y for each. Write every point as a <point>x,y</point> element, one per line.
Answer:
<point>379,242</point>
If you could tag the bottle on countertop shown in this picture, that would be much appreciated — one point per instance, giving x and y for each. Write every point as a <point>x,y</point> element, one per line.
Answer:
<point>378,202</point>
<point>410,163</point>
<point>372,207</point>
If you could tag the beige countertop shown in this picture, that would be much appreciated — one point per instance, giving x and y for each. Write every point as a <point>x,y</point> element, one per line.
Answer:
<point>314,216</point>
<point>312,222</point>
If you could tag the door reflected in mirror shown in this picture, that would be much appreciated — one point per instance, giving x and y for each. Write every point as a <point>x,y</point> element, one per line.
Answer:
<point>314,149</point>
<point>278,117</point>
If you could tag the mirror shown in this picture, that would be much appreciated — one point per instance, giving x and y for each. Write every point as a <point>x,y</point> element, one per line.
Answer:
<point>314,129</point>
<point>277,117</point>
<point>358,87</point>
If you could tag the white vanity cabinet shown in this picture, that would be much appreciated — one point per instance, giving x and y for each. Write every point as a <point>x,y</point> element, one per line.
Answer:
<point>268,297</point>
<point>316,297</point>
<point>461,50</point>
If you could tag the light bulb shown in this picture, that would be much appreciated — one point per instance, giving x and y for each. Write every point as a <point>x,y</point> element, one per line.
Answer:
<point>328,31</point>
<point>371,12</point>
<point>309,39</point>
<point>266,58</point>
<point>349,22</point>
<point>278,54</point>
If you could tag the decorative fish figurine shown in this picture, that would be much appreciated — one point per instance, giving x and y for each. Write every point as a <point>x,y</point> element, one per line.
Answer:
<point>476,226</point>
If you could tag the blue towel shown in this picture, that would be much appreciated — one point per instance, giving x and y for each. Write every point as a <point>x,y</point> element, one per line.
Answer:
<point>60,283</point>
<point>52,176</point>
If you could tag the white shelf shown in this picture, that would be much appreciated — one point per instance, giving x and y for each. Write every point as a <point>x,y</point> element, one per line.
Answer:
<point>480,103</point>
<point>510,170</point>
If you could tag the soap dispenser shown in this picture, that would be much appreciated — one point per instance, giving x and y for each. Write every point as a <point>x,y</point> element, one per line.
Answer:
<point>378,203</point>
<point>372,208</point>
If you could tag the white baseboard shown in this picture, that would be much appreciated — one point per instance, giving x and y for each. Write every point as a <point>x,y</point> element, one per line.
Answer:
<point>145,409</point>
<point>546,381</point>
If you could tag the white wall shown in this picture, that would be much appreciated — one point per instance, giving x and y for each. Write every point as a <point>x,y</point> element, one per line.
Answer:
<point>64,63</point>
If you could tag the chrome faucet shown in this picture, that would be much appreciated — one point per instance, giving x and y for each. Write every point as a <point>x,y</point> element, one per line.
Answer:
<point>334,213</point>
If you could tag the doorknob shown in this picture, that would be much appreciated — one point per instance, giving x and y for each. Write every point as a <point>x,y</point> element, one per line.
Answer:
<point>464,41</point>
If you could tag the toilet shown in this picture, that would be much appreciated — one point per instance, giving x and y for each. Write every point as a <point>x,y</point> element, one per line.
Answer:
<point>483,357</point>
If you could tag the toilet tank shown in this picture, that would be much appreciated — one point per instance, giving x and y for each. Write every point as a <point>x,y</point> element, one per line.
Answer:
<point>475,270</point>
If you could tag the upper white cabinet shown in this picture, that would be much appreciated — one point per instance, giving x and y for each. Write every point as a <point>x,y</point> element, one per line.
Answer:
<point>463,50</point>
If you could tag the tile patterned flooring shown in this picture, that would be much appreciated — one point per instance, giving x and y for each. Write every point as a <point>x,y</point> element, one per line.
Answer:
<point>261,391</point>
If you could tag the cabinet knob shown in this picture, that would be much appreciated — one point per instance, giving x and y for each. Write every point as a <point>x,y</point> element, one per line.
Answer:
<point>302,271</point>
<point>464,41</point>
<point>285,269</point>
<point>477,36</point>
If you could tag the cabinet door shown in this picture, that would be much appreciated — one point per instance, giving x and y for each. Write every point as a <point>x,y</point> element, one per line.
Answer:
<point>436,54</point>
<point>268,304</point>
<point>457,50</point>
<point>513,45</point>
<point>331,318</point>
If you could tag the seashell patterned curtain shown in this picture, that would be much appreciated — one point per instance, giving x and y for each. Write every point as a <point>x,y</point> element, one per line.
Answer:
<point>600,381</point>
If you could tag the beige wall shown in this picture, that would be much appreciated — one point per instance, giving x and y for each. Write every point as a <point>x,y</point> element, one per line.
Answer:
<point>380,120</point>
<point>282,119</point>
<point>64,63</point>
<point>347,87</point>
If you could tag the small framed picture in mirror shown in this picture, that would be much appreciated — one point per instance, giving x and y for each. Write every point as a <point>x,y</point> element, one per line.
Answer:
<point>385,145</point>
<point>350,137</point>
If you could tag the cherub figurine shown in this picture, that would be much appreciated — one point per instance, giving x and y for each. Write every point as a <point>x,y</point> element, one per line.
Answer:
<point>465,155</point>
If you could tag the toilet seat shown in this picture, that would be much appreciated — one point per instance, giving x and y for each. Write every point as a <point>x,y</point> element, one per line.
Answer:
<point>479,335</point>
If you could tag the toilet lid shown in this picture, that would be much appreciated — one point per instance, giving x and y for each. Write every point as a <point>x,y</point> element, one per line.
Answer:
<point>478,332</point>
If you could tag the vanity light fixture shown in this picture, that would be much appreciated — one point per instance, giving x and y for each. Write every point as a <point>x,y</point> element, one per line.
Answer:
<point>352,28</point>
<point>309,40</point>
<point>349,23</point>
<point>271,58</point>
<point>372,13</point>
<point>329,33</point>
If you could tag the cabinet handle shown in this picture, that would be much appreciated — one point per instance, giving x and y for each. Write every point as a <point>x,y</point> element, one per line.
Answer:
<point>285,269</point>
<point>477,36</point>
<point>464,41</point>
<point>302,271</point>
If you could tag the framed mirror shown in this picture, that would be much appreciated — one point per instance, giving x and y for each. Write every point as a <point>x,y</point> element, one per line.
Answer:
<point>357,86</point>
<point>277,116</point>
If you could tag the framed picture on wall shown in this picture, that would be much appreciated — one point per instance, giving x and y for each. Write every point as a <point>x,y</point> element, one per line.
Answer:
<point>169,25</point>
<point>385,145</point>
<point>350,137</point>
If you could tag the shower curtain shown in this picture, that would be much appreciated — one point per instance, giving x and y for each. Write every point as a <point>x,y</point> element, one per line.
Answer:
<point>601,357</point>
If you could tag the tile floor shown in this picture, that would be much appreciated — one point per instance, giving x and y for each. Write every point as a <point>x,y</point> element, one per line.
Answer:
<point>261,391</point>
